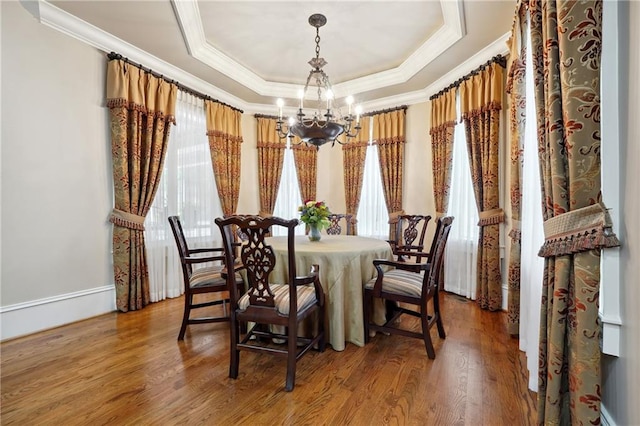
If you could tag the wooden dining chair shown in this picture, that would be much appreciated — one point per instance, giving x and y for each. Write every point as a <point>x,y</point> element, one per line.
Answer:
<point>203,279</point>
<point>336,229</point>
<point>410,231</point>
<point>413,284</point>
<point>267,304</point>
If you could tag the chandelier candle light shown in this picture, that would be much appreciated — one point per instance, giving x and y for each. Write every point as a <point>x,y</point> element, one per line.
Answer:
<point>319,128</point>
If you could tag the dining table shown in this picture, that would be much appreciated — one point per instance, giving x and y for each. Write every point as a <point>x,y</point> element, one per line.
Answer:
<point>346,264</point>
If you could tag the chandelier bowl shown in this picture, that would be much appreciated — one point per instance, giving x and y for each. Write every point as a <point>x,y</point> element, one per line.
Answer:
<point>317,132</point>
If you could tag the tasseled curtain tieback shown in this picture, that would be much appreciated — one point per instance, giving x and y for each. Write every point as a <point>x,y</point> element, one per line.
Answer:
<point>491,217</point>
<point>127,220</point>
<point>579,230</point>
<point>393,217</point>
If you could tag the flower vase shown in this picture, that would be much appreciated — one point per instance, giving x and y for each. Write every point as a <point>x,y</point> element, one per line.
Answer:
<point>314,233</point>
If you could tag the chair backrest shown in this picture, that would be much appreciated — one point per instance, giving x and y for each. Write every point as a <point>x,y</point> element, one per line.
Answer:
<point>410,231</point>
<point>335,228</point>
<point>432,277</point>
<point>181,243</point>
<point>257,256</point>
<point>214,255</point>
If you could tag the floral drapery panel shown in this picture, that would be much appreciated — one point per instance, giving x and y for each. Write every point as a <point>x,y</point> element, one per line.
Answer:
<point>306,160</point>
<point>141,109</point>
<point>516,89</point>
<point>353,157</point>
<point>566,39</point>
<point>443,122</point>
<point>224,129</point>
<point>270,162</point>
<point>481,101</point>
<point>389,134</point>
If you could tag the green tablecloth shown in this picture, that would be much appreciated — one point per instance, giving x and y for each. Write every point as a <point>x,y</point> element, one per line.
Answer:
<point>346,264</point>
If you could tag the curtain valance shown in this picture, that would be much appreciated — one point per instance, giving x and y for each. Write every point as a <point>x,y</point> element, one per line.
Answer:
<point>130,86</point>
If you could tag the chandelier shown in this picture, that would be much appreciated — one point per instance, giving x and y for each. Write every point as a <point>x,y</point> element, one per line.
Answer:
<point>326,122</point>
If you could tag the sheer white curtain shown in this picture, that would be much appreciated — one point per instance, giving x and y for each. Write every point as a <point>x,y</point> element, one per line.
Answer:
<point>373,218</point>
<point>288,198</point>
<point>187,189</point>
<point>531,266</point>
<point>461,255</point>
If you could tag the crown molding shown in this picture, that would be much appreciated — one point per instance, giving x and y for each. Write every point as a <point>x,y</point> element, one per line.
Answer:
<point>190,22</point>
<point>72,26</point>
<point>497,47</point>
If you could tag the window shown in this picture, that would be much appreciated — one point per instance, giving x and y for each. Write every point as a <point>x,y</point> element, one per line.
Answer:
<point>187,189</point>
<point>531,266</point>
<point>288,198</point>
<point>462,247</point>
<point>373,218</point>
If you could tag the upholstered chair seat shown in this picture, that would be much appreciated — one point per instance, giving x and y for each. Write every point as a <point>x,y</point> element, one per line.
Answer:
<point>207,276</point>
<point>306,298</point>
<point>399,281</point>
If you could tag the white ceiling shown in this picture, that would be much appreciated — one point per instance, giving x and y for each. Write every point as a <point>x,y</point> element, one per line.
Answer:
<point>255,51</point>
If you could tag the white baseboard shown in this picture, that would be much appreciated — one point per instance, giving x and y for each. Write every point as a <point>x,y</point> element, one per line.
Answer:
<point>505,298</point>
<point>605,417</point>
<point>37,315</point>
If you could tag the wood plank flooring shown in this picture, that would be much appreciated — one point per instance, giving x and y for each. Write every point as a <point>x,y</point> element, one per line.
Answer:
<point>129,369</point>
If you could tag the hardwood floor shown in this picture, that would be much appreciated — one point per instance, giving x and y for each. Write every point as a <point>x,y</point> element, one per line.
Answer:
<point>129,369</point>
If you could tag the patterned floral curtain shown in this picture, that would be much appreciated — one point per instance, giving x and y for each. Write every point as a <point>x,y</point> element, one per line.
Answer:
<point>270,162</point>
<point>389,134</point>
<point>224,129</point>
<point>353,157</point>
<point>516,89</point>
<point>306,160</point>
<point>443,122</point>
<point>566,39</point>
<point>141,108</point>
<point>481,101</point>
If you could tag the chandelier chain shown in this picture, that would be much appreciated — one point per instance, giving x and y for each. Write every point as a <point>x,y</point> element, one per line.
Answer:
<point>317,43</point>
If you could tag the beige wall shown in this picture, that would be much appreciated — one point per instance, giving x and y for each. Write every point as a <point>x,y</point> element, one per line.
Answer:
<point>56,170</point>
<point>621,376</point>
<point>248,202</point>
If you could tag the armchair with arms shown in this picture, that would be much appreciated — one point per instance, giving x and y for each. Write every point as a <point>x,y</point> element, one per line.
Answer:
<point>202,279</point>
<point>267,304</point>
<point>410,284</point>
<point>409,237</point>
<point>336,229</point>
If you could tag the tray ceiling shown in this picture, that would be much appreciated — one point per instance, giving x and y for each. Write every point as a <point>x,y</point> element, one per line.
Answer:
<point>258,50</point>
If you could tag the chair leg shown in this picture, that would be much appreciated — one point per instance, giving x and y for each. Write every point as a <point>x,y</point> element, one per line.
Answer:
<point>291,358</point>
<point>188,300</point>
<point>390,308</point>
<point>234,361</point>
<point>436,312</point>
<point>367,302</point>
<point>322,341</point>
<point>424,319</point>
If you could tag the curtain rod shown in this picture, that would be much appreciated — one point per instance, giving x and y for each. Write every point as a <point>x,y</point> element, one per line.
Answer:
<point>113,55</point>
<point>382,111</point>
<point>499,59</point>
<point>368,114</point>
